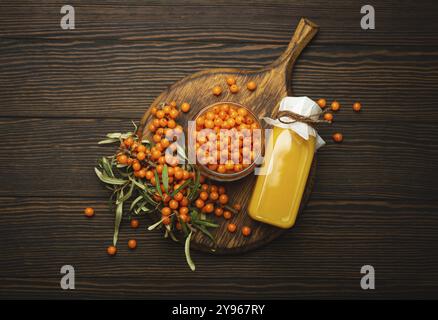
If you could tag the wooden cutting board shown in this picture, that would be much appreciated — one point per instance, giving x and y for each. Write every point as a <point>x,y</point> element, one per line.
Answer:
<point>273,83</point>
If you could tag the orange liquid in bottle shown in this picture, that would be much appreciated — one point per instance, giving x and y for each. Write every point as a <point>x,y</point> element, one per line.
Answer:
<point>277,195</point>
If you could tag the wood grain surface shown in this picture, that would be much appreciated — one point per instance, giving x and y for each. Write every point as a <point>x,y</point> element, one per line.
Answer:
<point>374,200</point>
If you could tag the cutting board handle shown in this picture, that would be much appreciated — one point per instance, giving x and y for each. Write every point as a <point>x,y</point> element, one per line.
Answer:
<point>304,32</point>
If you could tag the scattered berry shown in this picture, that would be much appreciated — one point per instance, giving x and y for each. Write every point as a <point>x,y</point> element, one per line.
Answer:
<point>89,212</point>
<point>246,231</point>
<point>338,137</point>
<point>357,106</point>
<point>134,223</point>
<point>132,244</point>
<point>335,105</point>
<point>111,250</point>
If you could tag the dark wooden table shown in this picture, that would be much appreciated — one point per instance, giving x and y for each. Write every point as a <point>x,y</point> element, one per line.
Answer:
<point>374,201</point>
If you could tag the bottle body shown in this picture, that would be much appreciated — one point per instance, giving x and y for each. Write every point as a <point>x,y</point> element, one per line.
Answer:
<point>277,194</point>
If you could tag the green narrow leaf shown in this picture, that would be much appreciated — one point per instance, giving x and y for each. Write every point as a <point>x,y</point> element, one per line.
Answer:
<point>114,135</point>
<point>135,126</point>
<point>187,252</point>
<point>107,167</point>
<point>170,233</point>
<point>149,199</point>
<point>126,135</point>
<point>138,184</point>
<point>109,180</point>
<point>136,200</point>
<point>118,218</point>
<point>206,232</point>
<point>207,223</point>
<point>127,195</point>
<point>152,227</point>
<point>174,192</point>
<point>196,185</point>
<point>107,141</point>
<point>158,184</point>
<point>165,177</point>
<point>194,215</point>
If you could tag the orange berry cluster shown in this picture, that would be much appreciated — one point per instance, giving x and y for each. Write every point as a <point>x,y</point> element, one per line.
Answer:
<point>213,198</point>
<point>328,116</point>
<point>226,153</point>
<point>233,87</point>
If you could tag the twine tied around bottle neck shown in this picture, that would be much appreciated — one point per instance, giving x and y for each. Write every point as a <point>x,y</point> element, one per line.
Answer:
<point>295,117</point>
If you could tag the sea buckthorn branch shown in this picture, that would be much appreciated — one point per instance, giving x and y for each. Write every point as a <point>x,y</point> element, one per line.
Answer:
<point>151,181</point>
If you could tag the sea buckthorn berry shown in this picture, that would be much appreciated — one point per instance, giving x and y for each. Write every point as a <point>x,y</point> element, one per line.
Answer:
<point>221,169</point>
<point>223,199</point>
<point>203,196</point>
<point>328,116</point>
<point>335,105</point>
<point>155,154</point>
<point>165,220</point>
<point>154,110</point>
<point>160,114</point>
<point>141,148</point>
<point>231,227</point>
<point>184,202</point>
<point>163,122</point>
<point>217,91</point>
<point>246,231</point>
<point>89,212</point>
<point>134,223</point>
<point>149,175</point>
<point>228,214</point>
<point>178,196</point>
<point>208,208</point>
<point>132,244</point>
<point>178,174</point>
<point>173,204</point>
<point>221,190</point>
<point>142,173</point>
<point>199,203</point>
<point>204,187</point>
<point>166,198</point>
<point>166,211</point>
<point>122,159</point>
<point>183,210</point>
<point>231,81</point>
<point>167,109</point>
<point>156,138</point>
<point>251,86</point>
<point>141,156</point>
<point>111,250</point>
<point>129,141</point>
<point>237,207</point>
<point>337,137</point>
<point>136,166</point>
<point>357,106</point>
<point>183,218</point>
<point>173,104</point>
<point>234,88</point>
<point>185,107</point>
<point>152,128</point>
<point>322,103</point>
<point>214,195</point>
<point>218,212</point>
<point>174,113</point>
